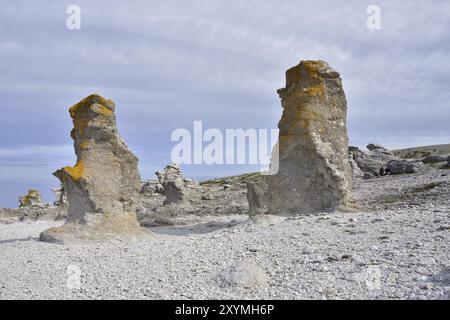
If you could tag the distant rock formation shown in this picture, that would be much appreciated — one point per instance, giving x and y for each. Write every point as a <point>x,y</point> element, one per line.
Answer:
<point>314,172</point>
<point>102,186</point>
<point>177,188</point>
<point>32,199</point>
<point>371,161</point>
<point>60,196</point>
<point>403,166</point>
<point>434,159</point>
<point>60,202</point>
<point>374,146</point>
<point>152,187</point>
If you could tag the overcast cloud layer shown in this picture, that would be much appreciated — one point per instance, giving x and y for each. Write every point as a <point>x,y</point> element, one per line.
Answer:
<point>166,64</point>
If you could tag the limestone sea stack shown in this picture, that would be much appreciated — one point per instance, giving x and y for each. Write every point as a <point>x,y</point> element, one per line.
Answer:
<point>314,173</point>
<point>102,186</point>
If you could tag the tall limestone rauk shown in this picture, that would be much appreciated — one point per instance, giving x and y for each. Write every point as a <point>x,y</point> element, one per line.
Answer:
<point>101,188</point>
<point>314,173</point>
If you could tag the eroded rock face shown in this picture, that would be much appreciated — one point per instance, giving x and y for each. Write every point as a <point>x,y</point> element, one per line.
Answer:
<point>102,186</point>
<point>32,199</point>
<point>314,172</point>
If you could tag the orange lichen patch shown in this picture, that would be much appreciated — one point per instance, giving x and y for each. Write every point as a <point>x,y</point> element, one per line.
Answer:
<point>105,111</point>
<point>316,90</point>
<point>77,172</point>
<point>292,75</point>
<point>312,67</point>
<point>87,102</point>
<point>80,124</point>
<point>79,111</point>
<point>309,69</point>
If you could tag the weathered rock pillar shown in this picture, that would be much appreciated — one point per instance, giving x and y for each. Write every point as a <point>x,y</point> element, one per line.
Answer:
<point>314,172</point>
<point>102,186</point>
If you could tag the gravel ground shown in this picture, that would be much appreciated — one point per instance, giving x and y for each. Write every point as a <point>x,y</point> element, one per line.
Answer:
<point>396,247</point>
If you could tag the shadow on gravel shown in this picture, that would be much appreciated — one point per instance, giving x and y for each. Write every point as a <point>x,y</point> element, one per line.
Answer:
<point>18,240</point>
<point>200,228</point>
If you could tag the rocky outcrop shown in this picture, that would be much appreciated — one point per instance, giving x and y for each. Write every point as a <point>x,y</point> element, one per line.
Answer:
<point>177,188</point>
<point>402,166</point>
<point>373,160</point>
<point>314,172</point>
<point>32,199</point>
<point>102,186</point>
<point>152,187</point>
<point>434,159</point>
<point>370,162</point>
<point>13,215</point>
<point>374,146</point>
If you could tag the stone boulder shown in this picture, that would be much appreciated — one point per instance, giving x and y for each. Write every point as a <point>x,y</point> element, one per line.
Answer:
<point>405,166</point>
<point>32,199</point>
<point>314,173</point>
<point>177,188</point>
<point>102,186</point>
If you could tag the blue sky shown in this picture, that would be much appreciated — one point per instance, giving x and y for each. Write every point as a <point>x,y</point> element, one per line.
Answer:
<point>166,64</point>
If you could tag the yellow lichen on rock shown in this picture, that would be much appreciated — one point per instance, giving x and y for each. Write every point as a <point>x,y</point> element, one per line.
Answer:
<point>79,111</point>
<point>86,103</point>
<point>77,172</point>
<point>316,90</point>
<point>312,67</point>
